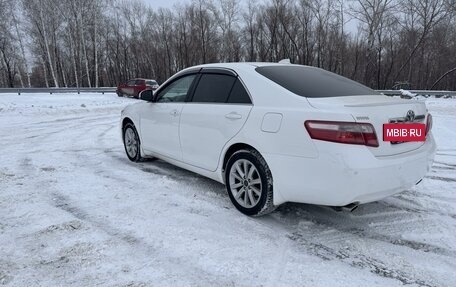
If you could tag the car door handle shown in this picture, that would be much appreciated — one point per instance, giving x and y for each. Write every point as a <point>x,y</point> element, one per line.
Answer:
<point>174,113</point>
<point>233,116</point>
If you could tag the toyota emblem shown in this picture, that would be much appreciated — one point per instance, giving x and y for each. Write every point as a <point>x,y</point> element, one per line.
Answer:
<point>410,117</point>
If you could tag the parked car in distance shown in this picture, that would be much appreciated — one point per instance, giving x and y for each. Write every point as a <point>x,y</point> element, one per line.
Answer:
<point>133,87</point>
<point>275,133</point>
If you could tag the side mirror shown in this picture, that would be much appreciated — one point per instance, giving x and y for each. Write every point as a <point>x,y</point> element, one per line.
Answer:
<point>147,95</point>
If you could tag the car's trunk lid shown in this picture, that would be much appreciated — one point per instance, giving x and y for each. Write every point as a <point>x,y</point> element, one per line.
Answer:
<point>377,110</point>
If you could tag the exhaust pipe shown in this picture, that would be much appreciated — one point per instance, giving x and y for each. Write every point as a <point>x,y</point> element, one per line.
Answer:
<point>349,207</point>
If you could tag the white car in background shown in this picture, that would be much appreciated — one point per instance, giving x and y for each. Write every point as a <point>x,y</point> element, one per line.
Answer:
<point>275,133</point>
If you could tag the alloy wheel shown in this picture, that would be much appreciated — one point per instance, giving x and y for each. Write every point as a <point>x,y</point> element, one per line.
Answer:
<point>245,183</point>
<point>131,142</point>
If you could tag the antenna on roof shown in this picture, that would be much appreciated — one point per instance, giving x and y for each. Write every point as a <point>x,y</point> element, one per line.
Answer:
<point>285,61</point>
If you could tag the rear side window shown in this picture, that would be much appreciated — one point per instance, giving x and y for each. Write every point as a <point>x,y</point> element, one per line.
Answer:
<point>238,94</point>
<point>311,82</point>
<point>213,88</point>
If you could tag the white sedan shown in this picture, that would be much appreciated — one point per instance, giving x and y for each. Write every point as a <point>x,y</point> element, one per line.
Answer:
<point>275,133</point>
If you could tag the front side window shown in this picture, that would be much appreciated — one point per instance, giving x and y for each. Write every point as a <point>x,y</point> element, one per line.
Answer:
<point>177,90</point>
<point>311,82</point>
<point>213,88</point>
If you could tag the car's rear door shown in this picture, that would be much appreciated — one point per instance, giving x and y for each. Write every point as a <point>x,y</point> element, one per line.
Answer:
<point>160,120</point>
<point>217,111</point>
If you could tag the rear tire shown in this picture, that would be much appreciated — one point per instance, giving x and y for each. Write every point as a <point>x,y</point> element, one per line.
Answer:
<point>132,143</point>
<point>249,184</point>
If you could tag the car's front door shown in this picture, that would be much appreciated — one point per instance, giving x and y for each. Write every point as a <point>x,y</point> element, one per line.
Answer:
<point>218,110</point>
<point>160,120</point>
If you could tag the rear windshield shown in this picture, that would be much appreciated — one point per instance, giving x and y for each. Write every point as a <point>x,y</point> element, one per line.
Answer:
<point>311,82</point>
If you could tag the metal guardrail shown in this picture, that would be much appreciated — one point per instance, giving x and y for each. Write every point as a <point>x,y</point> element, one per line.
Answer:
<point>19,91</point>
<point>417,93</point>
<point>102,90</point>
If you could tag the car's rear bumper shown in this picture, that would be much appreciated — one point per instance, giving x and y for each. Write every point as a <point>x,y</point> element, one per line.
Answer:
<point>344,174</point>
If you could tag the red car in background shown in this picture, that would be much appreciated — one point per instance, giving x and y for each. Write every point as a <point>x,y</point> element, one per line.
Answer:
<point>133,87</point>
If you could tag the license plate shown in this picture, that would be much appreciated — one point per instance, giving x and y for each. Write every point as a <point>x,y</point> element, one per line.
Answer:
<point>404,132</point>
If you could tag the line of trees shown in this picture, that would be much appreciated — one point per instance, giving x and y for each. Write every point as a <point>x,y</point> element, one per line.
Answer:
<point>63,43</point>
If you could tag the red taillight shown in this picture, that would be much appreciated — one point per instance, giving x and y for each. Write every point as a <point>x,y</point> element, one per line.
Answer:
<point>342,132</point>
<point>428,124</point>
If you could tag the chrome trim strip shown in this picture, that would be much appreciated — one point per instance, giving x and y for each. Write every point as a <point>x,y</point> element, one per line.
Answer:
<point>418,118</point>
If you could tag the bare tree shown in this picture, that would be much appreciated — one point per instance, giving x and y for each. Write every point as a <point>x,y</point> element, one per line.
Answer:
<point>373,14</point>
<point>427,14</point>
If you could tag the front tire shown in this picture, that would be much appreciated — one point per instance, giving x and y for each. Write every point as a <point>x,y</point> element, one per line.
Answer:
<point>131,142</point>
<point>248,181</point>
<point>119,94</point>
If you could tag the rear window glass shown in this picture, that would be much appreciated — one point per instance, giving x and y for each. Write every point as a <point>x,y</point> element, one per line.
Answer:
<point>311,82</point>
<point>213,88</point>
<point>238,94</point>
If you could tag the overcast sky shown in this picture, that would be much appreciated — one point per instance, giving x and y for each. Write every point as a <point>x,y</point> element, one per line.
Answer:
<point>164,3</point>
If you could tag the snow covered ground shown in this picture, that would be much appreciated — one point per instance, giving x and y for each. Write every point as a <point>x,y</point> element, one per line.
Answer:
<point>75,212</point>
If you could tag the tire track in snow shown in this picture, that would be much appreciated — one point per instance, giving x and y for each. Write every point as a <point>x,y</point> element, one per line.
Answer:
<point>336,240</point>
<point>175,265</point>
<point>441,178</point>
<point>170,264</point>
<point>357,260</point>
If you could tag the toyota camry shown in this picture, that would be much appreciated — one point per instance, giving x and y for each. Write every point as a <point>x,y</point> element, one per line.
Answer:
<point>275,133</point>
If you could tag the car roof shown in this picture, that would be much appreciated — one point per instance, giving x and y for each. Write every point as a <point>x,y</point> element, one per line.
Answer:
<point>237,65</point>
